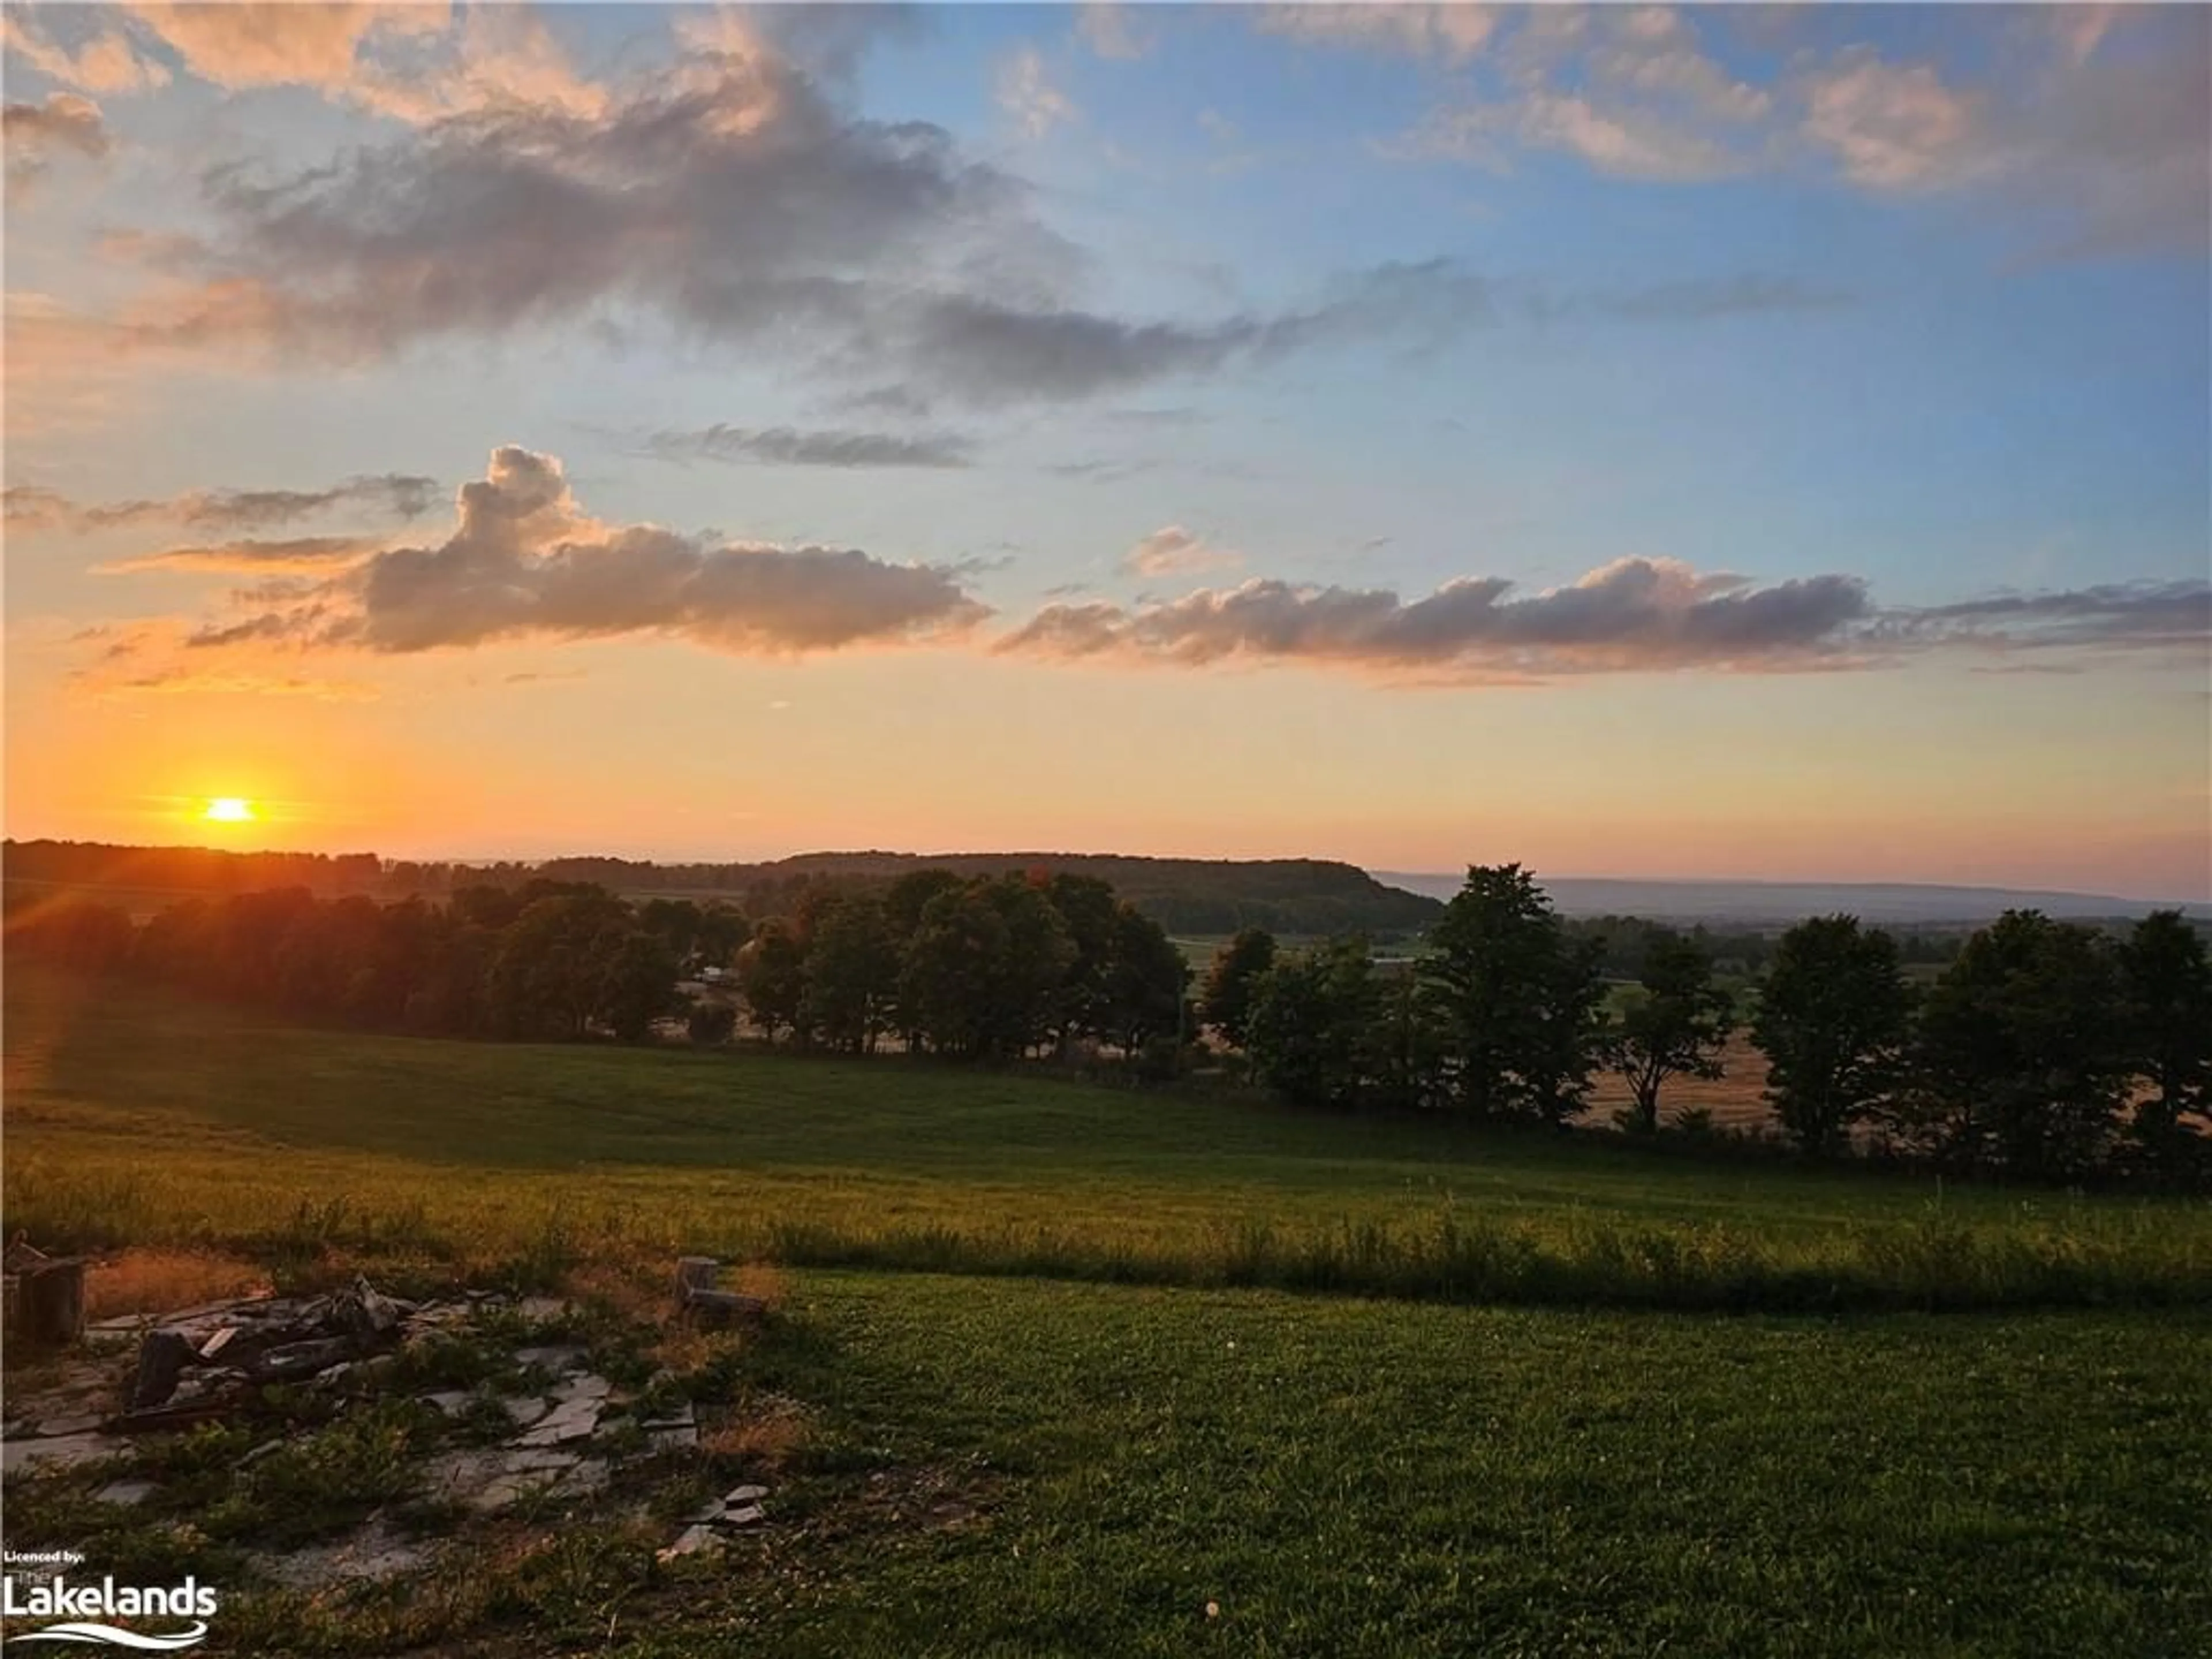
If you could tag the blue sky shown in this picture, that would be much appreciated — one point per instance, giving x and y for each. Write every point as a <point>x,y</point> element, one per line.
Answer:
<point>1808,373</point>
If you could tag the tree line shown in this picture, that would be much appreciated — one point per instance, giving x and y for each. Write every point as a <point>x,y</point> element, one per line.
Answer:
<point>1187,896</point>
<point>2045,1050</point>
<point>969,968</point>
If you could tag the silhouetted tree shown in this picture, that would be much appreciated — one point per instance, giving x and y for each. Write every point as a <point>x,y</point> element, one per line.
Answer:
<point>1087,908</point>
<point>1832,1019</point>
<point>984,970</point>
<point>73,933</point>
<point>772,977</point>
<point>2022,1051</point>
<point>2166,981</point>
<point>1518,1000</point>
<point>1311,1027</point>
<point>1676,1027</point>
<point>852,974</point>
<point>1226,1003</point>
<point>1143,983</point>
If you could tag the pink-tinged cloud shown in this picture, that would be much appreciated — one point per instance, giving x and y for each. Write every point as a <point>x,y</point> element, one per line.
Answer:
<point>263,44</point>
<point>527,562</point>
<point>1634,614</point>
<point>108,63</point>
<point>300,555</point>
<point>1172,550</point>
<point>35,134</point>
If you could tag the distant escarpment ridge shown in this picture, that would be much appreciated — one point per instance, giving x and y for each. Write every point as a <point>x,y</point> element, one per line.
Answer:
<point>1783,901</point>
<point>1185,895</point>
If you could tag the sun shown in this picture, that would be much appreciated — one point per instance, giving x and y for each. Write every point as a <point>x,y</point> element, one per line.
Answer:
<point>229,809</point>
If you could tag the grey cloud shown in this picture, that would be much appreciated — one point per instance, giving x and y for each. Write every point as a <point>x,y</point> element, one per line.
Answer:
<point>736,203</point>
<point>2159,616</point>
<point>525,561</point>
<point>399,495</point>
<point>783,445</point>
<point>1634,614</point>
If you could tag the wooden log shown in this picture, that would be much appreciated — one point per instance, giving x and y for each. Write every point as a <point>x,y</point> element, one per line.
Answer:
<point>50,1303</point>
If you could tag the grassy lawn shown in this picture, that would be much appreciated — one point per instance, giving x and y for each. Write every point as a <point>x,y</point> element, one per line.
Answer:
<point>1342,1477</point>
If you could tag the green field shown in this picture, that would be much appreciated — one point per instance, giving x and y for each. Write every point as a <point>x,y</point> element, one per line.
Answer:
<point>1029,1306</point>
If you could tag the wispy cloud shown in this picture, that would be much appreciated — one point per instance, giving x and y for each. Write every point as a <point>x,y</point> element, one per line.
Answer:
<point>786,447</point>
<point>2095,151</point>
<point>395,495</point>
<point>1110,30</point>
<point>1173,550</point>
<point>305,554</point>
<point>1450,32</point>
<point>1026,93</point>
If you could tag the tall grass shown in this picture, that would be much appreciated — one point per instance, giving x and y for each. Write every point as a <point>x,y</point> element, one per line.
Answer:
<point>2042,1257</point>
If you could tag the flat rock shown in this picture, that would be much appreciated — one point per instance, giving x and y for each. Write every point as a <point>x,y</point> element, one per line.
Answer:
<point>692,1541</point>
<point>64,1451</point>
<point>539,1460</point>
<point>751,1515</point>
<point>48,1427</point>
<point>125,1493</point>
<point>573,1419</point>
<point>526,1409</point>
<point>678,1437</point>
<point>585,1387</point>
<point>744,1495</point>
<point>682,1417</point>
<point>451,1401</point>
<point>540,1308</point>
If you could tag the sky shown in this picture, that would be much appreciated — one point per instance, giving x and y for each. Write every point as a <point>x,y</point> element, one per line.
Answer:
<point>1752,441</point>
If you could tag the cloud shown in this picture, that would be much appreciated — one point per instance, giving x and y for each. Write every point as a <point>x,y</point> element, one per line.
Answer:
<point>1107,29</point>
<point>35,133</point>
<point>525,562</point>
<point>266,45</point>
<point>1172,550</point>
<point>729,199</point>
<point>1623,143</point>
<point>1026,94</point>
<point>1635,614</point>
<point>398,494</point>
<point>1895,127</point>
<point>1451,34</point>
<point>785,446</point>
<point>2125,616</point>
<point>315,555</point>
<point>2093,129</point>
<point>108,63</point>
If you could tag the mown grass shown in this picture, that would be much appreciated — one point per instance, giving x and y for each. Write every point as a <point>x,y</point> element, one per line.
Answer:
<point>1344,1477</point>
<point>158,1122</point>
<point>1005,1470</point>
